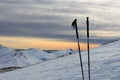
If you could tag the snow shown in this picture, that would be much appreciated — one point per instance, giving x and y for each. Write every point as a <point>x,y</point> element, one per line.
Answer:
<point>61,53</point>
<point>6,55</point>
<point>12,58</point>
<point>105,65</point>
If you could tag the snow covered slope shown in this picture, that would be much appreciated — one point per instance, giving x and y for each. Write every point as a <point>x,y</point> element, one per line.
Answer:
<point>6,55</point>
<point>105,65</point>
<point>12,58</point>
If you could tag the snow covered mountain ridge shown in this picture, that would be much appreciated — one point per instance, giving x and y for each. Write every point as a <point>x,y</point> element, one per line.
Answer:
<point>20,58</point>
<point>105,65</point>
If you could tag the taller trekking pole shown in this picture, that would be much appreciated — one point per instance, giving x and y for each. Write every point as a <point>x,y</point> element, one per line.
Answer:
<point>74,25</point>
<point>87,22</point>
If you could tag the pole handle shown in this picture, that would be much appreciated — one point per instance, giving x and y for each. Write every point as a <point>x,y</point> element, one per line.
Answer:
<point>87,22</point>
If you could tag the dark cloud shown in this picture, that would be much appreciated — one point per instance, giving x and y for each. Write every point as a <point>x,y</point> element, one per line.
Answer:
<point>52,19</point>
<point>31,29</point>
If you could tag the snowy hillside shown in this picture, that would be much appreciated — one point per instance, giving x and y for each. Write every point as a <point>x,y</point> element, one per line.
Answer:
<point>105,65</point>
<point>6,55</point>
<point>13,58</point>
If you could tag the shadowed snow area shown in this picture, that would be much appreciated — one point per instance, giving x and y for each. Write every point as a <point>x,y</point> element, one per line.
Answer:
<point>105,65</point>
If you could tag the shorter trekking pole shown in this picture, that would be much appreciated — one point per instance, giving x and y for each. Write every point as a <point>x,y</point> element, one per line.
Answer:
<point>74,25</point>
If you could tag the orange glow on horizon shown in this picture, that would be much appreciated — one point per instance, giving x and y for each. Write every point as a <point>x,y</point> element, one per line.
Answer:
<point>41,43</point>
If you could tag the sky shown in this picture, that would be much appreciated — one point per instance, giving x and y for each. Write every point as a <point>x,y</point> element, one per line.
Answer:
<point>46,24</point>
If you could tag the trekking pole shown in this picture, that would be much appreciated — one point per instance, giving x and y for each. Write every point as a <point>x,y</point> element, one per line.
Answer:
<point>87,22</point>
<point>74,25</point>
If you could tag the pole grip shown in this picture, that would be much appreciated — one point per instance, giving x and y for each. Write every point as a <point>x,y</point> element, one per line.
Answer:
<point>87,22</point>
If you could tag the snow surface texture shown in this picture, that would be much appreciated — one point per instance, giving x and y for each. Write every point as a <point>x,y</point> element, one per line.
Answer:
<point>12,58</point>
<point>105,65</point>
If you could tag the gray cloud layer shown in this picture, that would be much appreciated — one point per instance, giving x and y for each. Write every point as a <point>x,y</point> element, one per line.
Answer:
<point>52,19</point>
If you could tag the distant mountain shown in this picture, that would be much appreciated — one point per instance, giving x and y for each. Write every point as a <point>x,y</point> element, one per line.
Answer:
<point>20,58</point>
<point>61,53</point>
<point>110,42</point>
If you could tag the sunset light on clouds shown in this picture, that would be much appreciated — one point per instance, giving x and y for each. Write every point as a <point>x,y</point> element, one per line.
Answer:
<point>46,24</point>
<point>41,43</point>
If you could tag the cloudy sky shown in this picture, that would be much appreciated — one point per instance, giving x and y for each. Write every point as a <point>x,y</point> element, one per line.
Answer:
<point>50,20</point>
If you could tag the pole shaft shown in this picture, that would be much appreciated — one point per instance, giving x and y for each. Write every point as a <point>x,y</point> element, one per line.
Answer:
<point>80,59</point>
<point>88,47</point>
<point>79,52</point>
<point>74,24</point>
